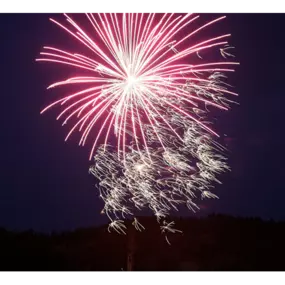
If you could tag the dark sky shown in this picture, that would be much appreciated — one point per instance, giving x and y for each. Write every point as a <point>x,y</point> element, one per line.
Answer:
<point>44,182</point>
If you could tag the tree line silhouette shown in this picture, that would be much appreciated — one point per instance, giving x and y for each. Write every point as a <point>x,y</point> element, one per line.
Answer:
<point>218,242</point>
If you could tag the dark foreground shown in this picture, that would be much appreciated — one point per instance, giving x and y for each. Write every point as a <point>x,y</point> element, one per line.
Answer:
<point>213,243</point>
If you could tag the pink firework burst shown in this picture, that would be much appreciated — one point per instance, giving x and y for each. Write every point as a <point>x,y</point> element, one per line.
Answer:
<point>140,76</point>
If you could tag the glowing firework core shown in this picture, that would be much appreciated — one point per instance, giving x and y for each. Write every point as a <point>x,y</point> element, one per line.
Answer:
<point>133,84</point>
<point>131,81</point>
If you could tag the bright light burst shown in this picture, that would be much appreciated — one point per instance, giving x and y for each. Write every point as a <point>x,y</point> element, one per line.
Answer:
<point>149,86</point>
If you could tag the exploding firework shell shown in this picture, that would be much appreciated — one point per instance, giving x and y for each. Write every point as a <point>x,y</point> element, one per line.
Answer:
<point>148,93</point>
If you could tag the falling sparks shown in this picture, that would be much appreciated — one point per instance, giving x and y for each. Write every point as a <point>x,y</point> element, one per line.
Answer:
<point>150,87</point>
<point>168,228</point>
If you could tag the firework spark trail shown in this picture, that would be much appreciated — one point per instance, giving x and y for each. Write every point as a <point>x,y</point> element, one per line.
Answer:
<point>146,92</point>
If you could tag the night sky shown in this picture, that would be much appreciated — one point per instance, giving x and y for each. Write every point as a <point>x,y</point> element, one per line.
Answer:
<point>44,181</point>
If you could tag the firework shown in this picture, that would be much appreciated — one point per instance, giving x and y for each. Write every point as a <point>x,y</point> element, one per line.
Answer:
<point>148,86</point>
